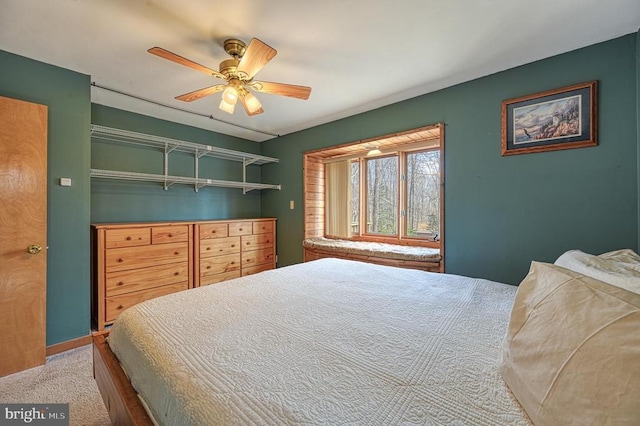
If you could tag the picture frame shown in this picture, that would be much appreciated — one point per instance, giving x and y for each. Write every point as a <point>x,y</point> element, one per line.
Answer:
<point>557,119</point>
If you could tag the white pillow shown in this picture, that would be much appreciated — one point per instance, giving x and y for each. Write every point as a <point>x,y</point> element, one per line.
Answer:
<point>571,355</point>
<point>620,268</point>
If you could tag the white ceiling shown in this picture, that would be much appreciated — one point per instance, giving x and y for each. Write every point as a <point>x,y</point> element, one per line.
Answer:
<point>357,55</point>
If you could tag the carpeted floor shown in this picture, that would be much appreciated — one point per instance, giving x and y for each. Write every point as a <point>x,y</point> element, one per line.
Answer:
<point>66,377</point>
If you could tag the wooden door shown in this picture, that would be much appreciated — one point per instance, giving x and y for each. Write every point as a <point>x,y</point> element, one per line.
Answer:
<point>23,226</point>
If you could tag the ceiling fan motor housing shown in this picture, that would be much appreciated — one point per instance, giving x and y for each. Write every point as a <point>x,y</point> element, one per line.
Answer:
<point>235,47</point>
<point>229,67</point>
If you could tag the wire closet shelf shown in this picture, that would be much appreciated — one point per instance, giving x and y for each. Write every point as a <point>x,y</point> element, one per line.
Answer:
<point>168,145</point>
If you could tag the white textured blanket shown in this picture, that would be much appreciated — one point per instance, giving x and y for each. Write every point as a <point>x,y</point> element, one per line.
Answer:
<point>325,342</point>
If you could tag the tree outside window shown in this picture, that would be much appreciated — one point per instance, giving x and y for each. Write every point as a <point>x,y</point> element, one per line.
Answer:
<point>382,195</point>
<point>423,194</point>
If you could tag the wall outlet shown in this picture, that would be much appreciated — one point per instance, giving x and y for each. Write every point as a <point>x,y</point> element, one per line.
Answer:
<point>291,205</point>
<point>65,181</point>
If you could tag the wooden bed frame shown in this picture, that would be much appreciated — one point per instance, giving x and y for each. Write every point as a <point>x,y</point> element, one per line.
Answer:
<point>120,399</point>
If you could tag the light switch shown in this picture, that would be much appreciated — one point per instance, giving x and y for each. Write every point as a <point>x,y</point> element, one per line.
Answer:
<point>65,181</point>
<point>291,205</point>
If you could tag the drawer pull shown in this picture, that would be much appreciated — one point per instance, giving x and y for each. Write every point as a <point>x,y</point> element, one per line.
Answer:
<point>176,252</point>
<point>208,248</point>
<point>214,231</point>
<point>128,238</point>
<point>233,262</point>
<point>209,267</point>
<point>233,245</point>
<point>170,235</point>
<point>176,274</point>
<point>120,260</point>
<point>121,283</point>
<point>120,307</point>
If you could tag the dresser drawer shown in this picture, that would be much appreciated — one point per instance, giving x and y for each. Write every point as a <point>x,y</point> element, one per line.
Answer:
<point>214,230</point>
<point>219,246</point>
<point>219,264</point>
<point>142,279</point>
<point>218,278</point>
<point>255,269</point>
<point>169,234</point>
<point>262,227</point>
<point>257,257</point>
<point>127,237</point>
<point>240,228</point>
<point>257,242</point>
<point>117,304</point>
<point>121,259</point>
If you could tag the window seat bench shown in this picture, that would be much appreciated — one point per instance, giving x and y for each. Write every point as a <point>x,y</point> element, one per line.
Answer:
<point>424,258</point>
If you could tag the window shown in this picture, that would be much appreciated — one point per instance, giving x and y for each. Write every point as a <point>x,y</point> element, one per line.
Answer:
<point>390,194</point>
<point>415,175</point>
<point>423,194</point>
<point>382,195</point>
<point>355,197</point>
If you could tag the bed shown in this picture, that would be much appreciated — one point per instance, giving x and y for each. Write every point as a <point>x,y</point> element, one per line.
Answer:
<point>330,341</point>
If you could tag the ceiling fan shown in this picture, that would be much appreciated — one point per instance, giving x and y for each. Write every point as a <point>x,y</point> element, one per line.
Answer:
<point>238,74</point>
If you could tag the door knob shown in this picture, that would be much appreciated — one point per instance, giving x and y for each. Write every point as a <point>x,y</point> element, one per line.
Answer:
<point>34,249</point>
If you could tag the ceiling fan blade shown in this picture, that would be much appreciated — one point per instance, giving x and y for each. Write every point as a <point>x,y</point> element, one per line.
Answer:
<point>197,94</point>
<point>256,57</point>
<point>251,104</point>
<point>290,90</point>
<point>158,51</point>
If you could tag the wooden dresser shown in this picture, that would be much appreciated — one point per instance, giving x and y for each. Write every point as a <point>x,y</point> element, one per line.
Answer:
<point>134,262</point>
<point>233,248</point>
<point>138,261</point>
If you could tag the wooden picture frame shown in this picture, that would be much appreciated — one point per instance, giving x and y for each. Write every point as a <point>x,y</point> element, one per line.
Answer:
<point>563,118</point>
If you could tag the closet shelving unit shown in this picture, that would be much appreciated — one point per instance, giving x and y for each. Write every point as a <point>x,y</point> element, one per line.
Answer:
<point>168,145</point>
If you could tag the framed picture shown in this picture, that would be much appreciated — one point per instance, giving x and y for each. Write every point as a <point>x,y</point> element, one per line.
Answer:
<point>557,119</point>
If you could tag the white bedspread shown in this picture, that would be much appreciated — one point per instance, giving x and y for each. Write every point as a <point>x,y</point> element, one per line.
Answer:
<point>325,342</point>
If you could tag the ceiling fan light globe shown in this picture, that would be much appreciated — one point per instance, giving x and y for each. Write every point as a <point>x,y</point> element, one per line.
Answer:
<point>252,103</point>
<point>230,95</point>
<point>227,107</point>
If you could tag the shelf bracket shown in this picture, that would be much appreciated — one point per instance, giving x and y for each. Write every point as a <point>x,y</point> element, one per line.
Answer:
<point>165,165</point>
<point>246,162</point>
<point>168,150</point>
<point>195,168</point>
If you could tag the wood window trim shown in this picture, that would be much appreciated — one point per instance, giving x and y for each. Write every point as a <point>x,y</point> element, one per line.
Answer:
<point>404,189</point>
<point>407,141</point>
<point>364,193</point>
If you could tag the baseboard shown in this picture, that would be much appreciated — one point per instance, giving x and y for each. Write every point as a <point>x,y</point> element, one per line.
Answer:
<point>69,344</point>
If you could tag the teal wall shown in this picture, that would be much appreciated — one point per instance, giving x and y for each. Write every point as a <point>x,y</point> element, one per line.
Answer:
<point>67,96</point>
<point>501,212</point>
<point>124,201</point>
